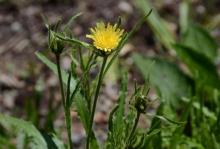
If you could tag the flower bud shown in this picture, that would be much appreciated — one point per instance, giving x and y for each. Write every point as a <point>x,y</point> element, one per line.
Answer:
<point>141,104</point>
<point>56,45</point>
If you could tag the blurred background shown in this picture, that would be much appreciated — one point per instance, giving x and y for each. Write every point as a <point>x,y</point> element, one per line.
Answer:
<point>28,88</point>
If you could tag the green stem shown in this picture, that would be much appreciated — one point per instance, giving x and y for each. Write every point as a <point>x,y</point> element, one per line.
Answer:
<point>88,66</point>
<point>68,126</point>
<point>60,78</point>
<point>134,127</point>
<point>87,81</point>
<point>95,100</point>
<point>66,107</point>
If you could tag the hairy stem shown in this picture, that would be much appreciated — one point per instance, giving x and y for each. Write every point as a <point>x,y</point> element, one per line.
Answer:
<point>68,126</point>
<point>66,107</point>
<point>134,127</point>
<point>60,78</point>
<point>95,100</point>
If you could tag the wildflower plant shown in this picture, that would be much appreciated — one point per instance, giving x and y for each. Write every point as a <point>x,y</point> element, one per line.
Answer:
<point>107,41</point>
<point>185,79</point>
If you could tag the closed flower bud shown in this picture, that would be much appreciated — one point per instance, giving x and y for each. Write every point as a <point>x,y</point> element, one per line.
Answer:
<point>141,104</point>
<point>56,45</point>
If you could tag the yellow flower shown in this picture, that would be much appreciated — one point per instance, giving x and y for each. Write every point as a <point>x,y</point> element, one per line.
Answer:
<point>105,37</point>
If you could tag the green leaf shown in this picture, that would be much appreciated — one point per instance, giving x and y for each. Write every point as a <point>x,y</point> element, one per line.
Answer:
<point>119,114</point>
<point>137,141</point>
<point>200,40</point>
<point>178,132</point>
<point>69,23</point>
<point>53,141</point>
<point>58,142</point>
<point>73,40</point>
<point>187,142</point>
<point>166,119</point>
<point>202,69</point>
<point>153,137</point>
<point>184,16</point>
<point>53,67</point>
<point>5,143</point>
<point>145,141</point>
<point>205,110</point>
<point>170,81</point>
<point>117,128</point>
<point>36,140</point>
<point>82,110</point>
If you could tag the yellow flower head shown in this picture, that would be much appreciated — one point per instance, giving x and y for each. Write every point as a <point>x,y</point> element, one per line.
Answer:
<point>105,37</point>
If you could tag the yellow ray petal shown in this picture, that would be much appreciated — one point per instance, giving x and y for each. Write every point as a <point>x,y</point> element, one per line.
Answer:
<point>105,37</point>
